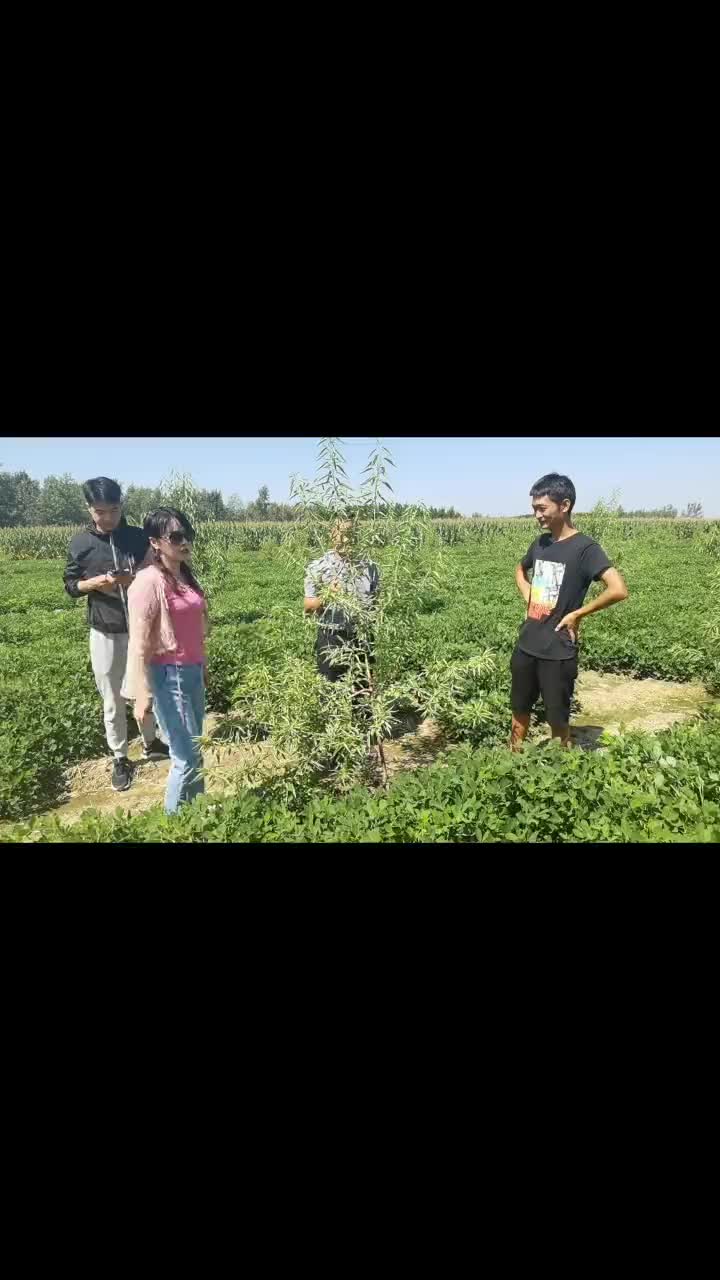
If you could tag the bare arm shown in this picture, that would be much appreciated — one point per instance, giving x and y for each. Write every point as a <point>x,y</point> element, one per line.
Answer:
<point>314,603</point>
<point>615,591</point>
<point>522,583</point>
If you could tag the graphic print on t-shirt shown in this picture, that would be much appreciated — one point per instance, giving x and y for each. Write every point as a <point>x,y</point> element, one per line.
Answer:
<point>545,589</point>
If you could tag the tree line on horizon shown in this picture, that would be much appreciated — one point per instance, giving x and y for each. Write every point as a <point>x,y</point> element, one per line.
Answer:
<point>59,500</point>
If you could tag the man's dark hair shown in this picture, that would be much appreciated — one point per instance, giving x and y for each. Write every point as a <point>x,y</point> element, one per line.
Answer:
<point>157,524</point>
<point>554,486</point>
<point>101,489</point>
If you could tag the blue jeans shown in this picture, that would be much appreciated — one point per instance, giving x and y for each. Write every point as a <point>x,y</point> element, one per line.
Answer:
<point>179,705</point>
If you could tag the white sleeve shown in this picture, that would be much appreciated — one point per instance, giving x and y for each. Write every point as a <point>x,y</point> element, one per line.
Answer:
<point>311,579</point>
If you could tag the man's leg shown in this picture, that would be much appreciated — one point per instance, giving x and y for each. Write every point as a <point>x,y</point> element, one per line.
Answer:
<point>519,729</point>
<point>557,681</point>
<point>561,731</point>
<point>108,656</point>
<point>328,641</point>
<point>524,693</point>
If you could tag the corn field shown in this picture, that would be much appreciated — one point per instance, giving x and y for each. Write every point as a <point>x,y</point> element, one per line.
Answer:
<point>50,542</point>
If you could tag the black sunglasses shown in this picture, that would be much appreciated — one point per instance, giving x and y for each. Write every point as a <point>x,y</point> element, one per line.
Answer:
<point>177,538</point>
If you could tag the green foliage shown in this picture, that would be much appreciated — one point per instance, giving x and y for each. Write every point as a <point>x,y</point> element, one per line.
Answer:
<point>342,740</point>
<point>49,717</point>
<point>61,501</point>
<point>261,509</point>
<point>209,558</point>
<point>640,788</point>
<point>138,500</point>
<point>468,697</point>
<point>668,512</point>
<point>19,499</point>
<point>44,542</point>
<point>449,623</point>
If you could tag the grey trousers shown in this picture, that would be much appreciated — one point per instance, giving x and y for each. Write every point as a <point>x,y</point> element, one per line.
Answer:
<point>108,655</point>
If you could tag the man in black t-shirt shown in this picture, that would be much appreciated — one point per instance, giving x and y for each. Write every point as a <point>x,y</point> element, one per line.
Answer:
<point>563,563</point>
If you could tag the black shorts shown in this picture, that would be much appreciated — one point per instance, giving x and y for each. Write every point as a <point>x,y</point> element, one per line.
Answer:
<point>534,676</point>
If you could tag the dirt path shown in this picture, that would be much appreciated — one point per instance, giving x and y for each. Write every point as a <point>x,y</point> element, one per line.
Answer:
<point>416,743</point>
<point>606,702</point>
<point>88,783</point>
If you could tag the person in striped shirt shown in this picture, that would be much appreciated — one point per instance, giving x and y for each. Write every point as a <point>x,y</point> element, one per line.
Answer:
<point>337,574</point>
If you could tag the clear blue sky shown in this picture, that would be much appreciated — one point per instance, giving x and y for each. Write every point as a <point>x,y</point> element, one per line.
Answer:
<point>489,474</point>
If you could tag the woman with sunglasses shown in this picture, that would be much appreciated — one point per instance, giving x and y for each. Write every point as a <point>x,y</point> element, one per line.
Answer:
<point>166,652</point>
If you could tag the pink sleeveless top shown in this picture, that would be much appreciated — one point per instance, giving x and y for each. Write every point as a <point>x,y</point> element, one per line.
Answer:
<point>186,611</point>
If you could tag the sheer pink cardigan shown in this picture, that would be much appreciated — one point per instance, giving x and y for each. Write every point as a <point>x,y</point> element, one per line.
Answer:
<point>151,628</point>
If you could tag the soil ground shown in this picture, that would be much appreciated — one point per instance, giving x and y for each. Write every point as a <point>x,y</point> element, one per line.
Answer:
<point>607,702</point>
<point>88,784</point>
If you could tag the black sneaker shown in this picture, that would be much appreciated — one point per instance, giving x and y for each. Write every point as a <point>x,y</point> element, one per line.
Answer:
<point>156,751</point>
<point>121,776</point>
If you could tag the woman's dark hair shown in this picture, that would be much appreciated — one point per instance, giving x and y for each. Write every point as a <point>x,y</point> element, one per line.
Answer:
<point>554,486</point>
<point>101,489</point>
<point>157,524</point>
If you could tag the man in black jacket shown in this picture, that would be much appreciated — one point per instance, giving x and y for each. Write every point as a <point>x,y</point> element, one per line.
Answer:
<point>101,564</point>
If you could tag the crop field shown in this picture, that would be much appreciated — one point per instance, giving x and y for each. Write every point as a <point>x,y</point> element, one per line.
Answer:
<point>449,654</point>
